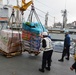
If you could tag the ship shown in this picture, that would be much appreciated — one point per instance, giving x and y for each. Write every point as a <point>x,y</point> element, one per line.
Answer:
<point>58,33</point>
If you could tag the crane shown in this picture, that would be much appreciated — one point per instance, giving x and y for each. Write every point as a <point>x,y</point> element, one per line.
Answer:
<point>24,5</point>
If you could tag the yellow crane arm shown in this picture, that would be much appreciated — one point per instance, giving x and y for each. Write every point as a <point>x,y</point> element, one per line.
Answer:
<point>16,7</point>
<point>23,2</point>
<point>24,5</point>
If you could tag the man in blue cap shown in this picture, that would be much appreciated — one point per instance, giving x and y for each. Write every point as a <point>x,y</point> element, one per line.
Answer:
<point>66,46</point>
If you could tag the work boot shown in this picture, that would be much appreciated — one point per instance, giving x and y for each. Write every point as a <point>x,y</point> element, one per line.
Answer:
<point>67,58</point>
<point>41,70</point>
<point>61,60</point>
<point>48,68</point>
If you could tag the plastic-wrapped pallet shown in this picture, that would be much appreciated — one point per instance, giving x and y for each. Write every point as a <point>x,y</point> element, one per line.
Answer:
<point>30,35</point>
<point>10,41</point>
<point>31,41</point>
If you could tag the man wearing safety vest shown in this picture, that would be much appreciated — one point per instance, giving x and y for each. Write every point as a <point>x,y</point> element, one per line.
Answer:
<point>47,52</point>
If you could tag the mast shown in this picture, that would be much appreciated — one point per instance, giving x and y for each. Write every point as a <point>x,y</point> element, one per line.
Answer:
<point>46,20</point>
<point>7,2</point>
<point>64,18</point>
<point>1,2</point>
<point>18,20</point>
<point>54,21</point>
<point>17,10</point>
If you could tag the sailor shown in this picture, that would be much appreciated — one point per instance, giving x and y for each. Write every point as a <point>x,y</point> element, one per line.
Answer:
<point>73,67</point>
<point>47,52</point>
<point>66,46</point>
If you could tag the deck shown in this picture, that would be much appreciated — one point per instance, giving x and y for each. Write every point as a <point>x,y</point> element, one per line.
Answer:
<point>27,64</point>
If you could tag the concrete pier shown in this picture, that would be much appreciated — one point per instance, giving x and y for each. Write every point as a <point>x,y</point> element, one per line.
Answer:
<point>27,64</point>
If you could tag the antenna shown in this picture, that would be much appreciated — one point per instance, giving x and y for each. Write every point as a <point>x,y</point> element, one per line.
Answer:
<point>7,2</point>
<point>54,21</point>
<point>65,3</point>
<point>46,19</point>
<point>64,14</point>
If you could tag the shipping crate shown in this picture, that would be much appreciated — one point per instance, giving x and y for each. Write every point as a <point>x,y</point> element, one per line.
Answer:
<point>10,42</point>
<point>31,42</point>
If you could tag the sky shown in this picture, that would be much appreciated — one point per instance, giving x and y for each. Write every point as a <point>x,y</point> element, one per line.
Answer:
<point>54,8</point>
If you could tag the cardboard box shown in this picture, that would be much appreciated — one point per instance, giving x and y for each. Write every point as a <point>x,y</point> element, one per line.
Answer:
<point>10,41</point>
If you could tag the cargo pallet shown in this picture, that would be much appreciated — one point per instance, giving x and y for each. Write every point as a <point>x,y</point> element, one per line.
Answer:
<point>12,54</point>
<point>32,52</point>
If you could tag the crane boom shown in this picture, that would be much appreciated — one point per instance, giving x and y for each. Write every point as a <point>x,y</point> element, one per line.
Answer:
<point>24,5</point>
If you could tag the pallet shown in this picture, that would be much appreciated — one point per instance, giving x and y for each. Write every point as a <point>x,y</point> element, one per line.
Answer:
<point>32,52</point>
<point>12,54</point>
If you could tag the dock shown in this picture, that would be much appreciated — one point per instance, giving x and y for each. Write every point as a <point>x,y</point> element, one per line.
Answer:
<point>27,64</point>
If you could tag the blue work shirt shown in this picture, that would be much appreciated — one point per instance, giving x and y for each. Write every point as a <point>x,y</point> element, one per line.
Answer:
<point>67,40</point>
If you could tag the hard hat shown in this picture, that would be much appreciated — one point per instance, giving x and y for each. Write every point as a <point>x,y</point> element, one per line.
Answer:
<point>66,31</point>
<point>44,33</point>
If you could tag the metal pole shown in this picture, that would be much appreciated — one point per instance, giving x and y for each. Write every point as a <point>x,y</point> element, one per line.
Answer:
<point>46,20</point>
<point>7,2</point>
<point>54,21</point>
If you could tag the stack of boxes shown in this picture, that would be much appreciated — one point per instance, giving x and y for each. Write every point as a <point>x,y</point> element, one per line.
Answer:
<point>31,36</point>
<point>10,41</point>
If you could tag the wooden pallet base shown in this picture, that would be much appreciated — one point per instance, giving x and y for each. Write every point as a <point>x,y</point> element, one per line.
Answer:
<point>32,52</point>
<point>9,55</point>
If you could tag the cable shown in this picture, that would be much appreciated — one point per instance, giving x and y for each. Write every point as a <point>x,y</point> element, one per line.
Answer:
<point>41,15</point>
<point>45,5</point>
<point>42,3</point>
<point>43,12</point>
<point>70,14</point>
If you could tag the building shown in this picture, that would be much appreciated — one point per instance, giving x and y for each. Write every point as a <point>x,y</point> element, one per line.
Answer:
<point>57,25</point>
